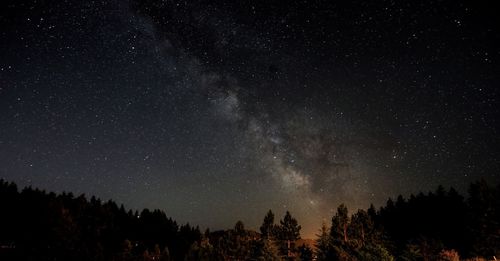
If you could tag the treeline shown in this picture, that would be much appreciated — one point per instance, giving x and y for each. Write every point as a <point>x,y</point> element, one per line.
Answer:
<point>440,225</point>
<point>36,225</point>
<point>275,242</point>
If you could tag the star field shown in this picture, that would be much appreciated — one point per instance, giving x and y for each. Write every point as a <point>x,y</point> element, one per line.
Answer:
<point>218,111</point>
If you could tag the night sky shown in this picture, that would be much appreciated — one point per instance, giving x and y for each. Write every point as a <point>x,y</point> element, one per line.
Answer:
<point>216,111</point>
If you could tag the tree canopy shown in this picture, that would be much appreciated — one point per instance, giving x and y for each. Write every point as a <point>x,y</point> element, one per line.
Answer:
<point>440,225</point>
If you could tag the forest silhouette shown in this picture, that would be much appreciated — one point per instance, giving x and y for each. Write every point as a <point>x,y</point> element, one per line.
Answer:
<point>439,225</point>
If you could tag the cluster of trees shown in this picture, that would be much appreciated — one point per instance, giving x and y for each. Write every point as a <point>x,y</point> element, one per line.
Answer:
<point>440,225</point>
<point>352,238</point>
<point>275,242</point>
<point>36,225</point>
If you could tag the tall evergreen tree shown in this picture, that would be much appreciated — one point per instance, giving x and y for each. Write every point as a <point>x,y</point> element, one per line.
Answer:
<point>289,232</point>
<point>340,223</point>
<point>267,229</point>
<point>290,228</point>
<point>323,243</point>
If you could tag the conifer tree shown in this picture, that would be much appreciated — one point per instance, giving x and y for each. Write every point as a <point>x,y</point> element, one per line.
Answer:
<point>323,243</point>
<point>289,232</point>
<point>340,221</point>
<point>268,228</point>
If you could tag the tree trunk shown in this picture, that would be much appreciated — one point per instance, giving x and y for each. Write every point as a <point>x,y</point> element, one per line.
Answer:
<point>345,232</point>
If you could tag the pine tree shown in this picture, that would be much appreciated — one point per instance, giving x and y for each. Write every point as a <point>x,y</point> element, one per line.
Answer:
<point>290,229</point>
<point>289,232</point>
<point>323,243</point>
<point>338,235</point>
<point>268,228</point>
<point>361,226</point>
<point>340,222</point>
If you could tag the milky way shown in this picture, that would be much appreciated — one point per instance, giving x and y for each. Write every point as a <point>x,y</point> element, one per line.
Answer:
<point>216,112</point>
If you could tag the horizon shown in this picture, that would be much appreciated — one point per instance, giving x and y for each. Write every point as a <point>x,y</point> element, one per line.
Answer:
<point>254,228</point>
<point>41,225</point>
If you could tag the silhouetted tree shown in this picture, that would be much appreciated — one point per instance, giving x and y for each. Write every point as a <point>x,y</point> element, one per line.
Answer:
<point>288,233</point>
<point>36,225</point>
<point>267,229</point>
<point>323,244</point>
<point>340,222</point>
